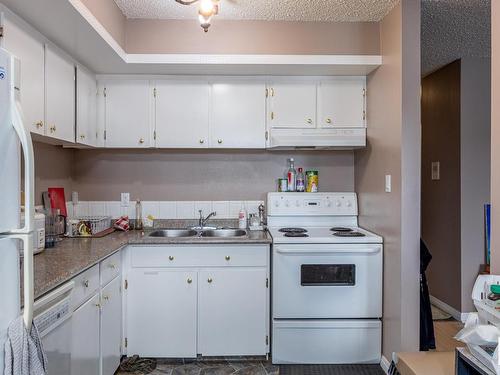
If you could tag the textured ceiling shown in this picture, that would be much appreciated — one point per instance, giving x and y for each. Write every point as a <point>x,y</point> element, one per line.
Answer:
<point>452,29</point>
<point>272,10</point>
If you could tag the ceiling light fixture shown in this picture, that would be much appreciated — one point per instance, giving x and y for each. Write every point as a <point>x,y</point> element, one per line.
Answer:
<point>206,10</point>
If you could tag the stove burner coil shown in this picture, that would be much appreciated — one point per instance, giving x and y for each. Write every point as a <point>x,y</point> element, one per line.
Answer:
<point>295,234</point>
<point>293,230</point>
<point>341,229</point>
<point>349,234</point>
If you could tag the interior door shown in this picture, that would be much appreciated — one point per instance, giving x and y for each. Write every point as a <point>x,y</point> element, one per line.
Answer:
<point>86,110</point>
<point>238,115</point>
<point>161,312</point>
<point>341,102</point>
<point>111,325</point>
<point>232,312</point>
<point>85,338</point>
<point>59,96</point>
<point>30,50</point>
<point>128,113</point>
<point>292,105</point>
<point>181,111</point>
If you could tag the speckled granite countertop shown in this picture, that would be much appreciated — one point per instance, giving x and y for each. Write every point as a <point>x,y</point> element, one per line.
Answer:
<point>72,256</point>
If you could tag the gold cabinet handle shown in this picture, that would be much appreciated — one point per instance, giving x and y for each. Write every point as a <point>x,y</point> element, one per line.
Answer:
<point>171,257</point>
<point>86,283</point>
<point>210,280</point>
<point>106,298</point>
<point>189,280</point>
<point>97,305</point>
<point>219,141</point>
<point>52,128</point>
<point>39,124</point>
<point>202,141</point>
<point>272,91</point>
<point>328,120</point>
<point>141,141</point>
<point>228,258</point>
<point>309,121</point>
<point>112,266</point>
<point>82,136</point>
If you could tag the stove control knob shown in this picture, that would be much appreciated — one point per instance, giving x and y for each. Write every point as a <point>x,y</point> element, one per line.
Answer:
<point>276,203</point>
<point>337,203</point>
<point>328,203</point>
<point>348,204</point>
<point>287,203</point>
<point>297,203</point>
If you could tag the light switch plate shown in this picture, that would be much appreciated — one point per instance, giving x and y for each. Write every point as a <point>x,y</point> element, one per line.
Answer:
<point>388,183</point>
<point>125,199</point>
<point>435,171</point>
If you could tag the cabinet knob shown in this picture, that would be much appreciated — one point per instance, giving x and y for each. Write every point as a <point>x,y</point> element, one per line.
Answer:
<point>189,280</point>
<point>209,280</point>
<point>98,305</point>
<point>309,121</point>
<point>202,141</point>
<point>82,136</point>
<point>328,120</point>
<point>39,124</point>
<point>219,141</point>
<point>52,128</point>
<point>141,141</point>
<point>228,258</point>
<point>86,283</point>
<point>171,257</point>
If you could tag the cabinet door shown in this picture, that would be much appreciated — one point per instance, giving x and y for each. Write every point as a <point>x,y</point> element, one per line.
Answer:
<point>111,325</point>
<point>341,103</point>
<point>59,96</point>
<point>292,105</point>
<point>161,313</point>
<point>232,312</point>
<point>181,111</point>
<point>128,113</point>
<point>86,107</point>
<point>30,51</point>
<point>85,338</point>
<point>238,115</point>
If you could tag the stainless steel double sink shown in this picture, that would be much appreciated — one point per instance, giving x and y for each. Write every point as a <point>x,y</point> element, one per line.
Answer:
<point>176,233</point>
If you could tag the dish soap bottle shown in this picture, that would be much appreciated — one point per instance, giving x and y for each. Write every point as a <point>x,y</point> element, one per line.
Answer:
<point>242,218</point>
<point>291,175</point>
<point>138,215</point>
<point>301,183</point>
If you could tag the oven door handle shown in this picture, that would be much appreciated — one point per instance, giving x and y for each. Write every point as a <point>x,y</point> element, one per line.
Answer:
<point>309,251</point>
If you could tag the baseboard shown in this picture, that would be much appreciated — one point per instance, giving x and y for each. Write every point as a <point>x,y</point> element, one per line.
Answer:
<point>457,315</point>
<point>385,364</point>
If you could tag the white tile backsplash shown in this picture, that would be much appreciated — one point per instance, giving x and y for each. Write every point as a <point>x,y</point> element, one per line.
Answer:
<point>164,209</point>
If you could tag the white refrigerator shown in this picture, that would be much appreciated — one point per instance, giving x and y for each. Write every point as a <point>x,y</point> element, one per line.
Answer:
<point>15,143</point>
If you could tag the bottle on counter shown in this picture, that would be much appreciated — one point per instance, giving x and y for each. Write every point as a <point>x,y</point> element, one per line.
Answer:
<point>242,218</point>
<point>291,175</point>
<point>300,181</point>
<point>138,215</point>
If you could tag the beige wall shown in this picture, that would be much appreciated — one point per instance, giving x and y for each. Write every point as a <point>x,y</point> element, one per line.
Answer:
<point>394,118</point>
<point>53,168</point>
<point>441,198</point>
<point>495,137</point>
<point>252,37</point>
<point>110,16</point>
<point>203,175</point>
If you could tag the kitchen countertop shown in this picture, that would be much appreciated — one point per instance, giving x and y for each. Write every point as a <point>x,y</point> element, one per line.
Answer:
<point>72,256</point>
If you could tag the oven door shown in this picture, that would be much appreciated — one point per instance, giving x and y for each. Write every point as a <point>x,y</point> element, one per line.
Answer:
<point>327,281</point>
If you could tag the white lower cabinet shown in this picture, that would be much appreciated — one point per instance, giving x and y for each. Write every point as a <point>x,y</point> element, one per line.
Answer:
<point>183,301</point>
<point>111,327</point>
<point>161,312</point>
<point>232,312</point>
<point>85,338</point>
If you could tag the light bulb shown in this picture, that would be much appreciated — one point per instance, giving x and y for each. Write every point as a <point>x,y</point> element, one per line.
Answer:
<point>206,8</point>
<point>204,21</point>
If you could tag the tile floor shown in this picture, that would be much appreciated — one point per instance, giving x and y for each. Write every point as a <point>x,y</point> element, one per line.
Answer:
<point>213,367</point>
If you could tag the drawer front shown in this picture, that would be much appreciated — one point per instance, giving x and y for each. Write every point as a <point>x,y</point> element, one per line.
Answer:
<point>110,267</point>
<point>86,285</point>
<point>200,256</point>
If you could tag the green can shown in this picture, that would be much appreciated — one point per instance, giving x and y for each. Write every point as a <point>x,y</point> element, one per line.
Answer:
<point>282,185</point>
<point>312,178</point>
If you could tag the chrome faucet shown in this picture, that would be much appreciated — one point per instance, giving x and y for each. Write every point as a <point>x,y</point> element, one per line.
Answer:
<point>202,221</point>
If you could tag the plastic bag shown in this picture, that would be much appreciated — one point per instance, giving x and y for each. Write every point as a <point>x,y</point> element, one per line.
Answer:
<point>475,333</point>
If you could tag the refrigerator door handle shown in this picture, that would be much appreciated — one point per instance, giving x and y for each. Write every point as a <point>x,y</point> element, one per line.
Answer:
<point>29,164</point>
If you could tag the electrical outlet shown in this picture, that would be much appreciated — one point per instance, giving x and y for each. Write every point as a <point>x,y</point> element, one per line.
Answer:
<point>125,199</point>
<point>435,171</point>
<point>388,183</point>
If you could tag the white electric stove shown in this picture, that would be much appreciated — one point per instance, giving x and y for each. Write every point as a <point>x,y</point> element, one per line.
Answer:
<point>326,280</point>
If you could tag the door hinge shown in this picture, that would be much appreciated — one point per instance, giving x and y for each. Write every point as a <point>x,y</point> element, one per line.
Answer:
<point>267,135</point>
<point>154,135</point>
<point>104,134</point>
<point>267,340</point>
<point>364,115</point>
<point>1,32</point>
<point>126,342</point>
<point>272,115</point>
<point>154,92</point>
<point>267,282</point>
<point>104,92</point>
<point>126,284</point>
<point>364,92</point>
<point>267,93</point>
<point>272,91</point>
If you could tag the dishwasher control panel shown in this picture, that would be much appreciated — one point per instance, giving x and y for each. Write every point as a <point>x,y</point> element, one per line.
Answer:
<point>53,316</point>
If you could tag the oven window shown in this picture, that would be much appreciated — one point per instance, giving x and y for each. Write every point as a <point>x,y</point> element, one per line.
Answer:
<point>328,275</point>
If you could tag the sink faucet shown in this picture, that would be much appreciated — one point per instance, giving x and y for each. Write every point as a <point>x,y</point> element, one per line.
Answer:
<point>203,221</point>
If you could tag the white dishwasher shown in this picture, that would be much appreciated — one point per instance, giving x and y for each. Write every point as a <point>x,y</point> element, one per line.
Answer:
<point>52,316</point>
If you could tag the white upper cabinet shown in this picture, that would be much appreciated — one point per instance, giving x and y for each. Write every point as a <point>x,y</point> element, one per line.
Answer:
<point>292,105</point>
<point>341,102</point>
<point>128,113</point>
<point>59,96</point>
<point>30,50</point>
<point>181,110</point>
<point>238,114</point>
<point>86,107</point>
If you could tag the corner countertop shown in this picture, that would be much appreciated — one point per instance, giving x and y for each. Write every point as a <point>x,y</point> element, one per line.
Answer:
<point>72,256</point>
